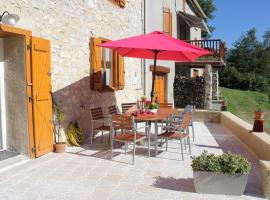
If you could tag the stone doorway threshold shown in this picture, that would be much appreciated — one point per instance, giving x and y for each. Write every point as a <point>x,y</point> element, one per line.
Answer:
<point>11,159</point>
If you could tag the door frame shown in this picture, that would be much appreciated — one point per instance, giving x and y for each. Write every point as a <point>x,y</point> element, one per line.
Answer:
<point>6,31</point>
<point>162,70</point>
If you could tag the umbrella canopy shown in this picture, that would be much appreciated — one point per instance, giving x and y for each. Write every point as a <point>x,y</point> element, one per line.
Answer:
<point>156,45</point>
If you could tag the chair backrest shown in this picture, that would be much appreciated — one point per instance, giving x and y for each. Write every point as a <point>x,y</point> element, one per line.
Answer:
<point>127,106</point>
<point>185,121</point>
<point>112,110</point>
<point>165,105</point>
<point>97,113</point>
<point>122,122</point>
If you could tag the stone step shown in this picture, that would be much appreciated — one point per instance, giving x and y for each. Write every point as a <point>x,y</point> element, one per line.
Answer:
<point>12,162</point>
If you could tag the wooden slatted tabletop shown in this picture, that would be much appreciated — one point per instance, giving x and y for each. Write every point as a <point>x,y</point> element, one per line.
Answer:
<point>161,114</point>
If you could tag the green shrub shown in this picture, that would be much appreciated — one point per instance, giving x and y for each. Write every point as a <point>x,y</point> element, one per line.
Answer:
<point>228,163</point>
<point>74,134</point>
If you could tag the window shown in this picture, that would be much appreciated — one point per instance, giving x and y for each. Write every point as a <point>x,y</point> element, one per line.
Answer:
<point>107,67</point>
<point>195,73</point>
<point>167,21</point>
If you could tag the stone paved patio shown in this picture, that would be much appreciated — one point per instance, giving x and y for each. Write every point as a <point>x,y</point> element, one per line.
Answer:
<point>86,173</point>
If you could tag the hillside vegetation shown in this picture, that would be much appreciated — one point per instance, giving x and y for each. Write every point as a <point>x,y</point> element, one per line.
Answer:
<point>244,103</point>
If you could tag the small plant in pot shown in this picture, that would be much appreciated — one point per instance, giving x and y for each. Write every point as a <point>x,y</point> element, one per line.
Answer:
<point>220,174</point>
<point>153,107</point>
<point>58,118</point>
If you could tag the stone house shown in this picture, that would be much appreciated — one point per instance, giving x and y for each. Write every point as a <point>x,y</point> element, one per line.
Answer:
<point>52,50</point>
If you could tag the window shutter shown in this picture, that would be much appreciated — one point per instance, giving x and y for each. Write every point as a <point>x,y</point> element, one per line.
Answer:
<point>121,73</point>
<point>166,20</point>
<point>170,23</point>
<point>95,62</point>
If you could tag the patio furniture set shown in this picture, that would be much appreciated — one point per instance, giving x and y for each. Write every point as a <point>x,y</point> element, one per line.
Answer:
<point>123,127</point>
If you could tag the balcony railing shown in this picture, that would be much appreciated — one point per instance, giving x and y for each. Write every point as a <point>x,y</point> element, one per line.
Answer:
<point>216,46</point>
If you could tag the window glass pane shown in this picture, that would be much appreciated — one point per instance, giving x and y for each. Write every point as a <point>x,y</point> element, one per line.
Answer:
<point>102,64</point>
<point>108,67</point>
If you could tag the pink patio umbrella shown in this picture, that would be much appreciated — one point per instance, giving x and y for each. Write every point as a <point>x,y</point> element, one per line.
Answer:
<point>156,45</point>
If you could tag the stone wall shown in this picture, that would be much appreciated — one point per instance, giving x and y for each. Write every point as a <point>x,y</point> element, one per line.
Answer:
<point>69,26</point>
<point>215,85</point>
<point>15,95</point>
<point>208,77</point>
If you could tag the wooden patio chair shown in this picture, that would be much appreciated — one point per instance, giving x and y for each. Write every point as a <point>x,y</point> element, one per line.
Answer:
<point>129,133</point>
<point>112,110</point>
<point>98,117</point>
<point>178,132</point>
<point>127,106</point>
<point>178,118</point>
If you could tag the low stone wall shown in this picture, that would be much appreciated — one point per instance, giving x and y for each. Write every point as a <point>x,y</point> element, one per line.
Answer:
<point>205,115</point>
<point>265,178</point>
<point>259,143</point>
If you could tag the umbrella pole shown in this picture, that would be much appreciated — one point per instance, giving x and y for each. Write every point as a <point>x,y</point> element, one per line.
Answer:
<point>154,75</point>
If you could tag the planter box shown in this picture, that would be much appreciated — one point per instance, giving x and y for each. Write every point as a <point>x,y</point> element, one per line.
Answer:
<point>219,183</point>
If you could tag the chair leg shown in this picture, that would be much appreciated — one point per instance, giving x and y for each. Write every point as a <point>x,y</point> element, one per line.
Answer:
<point>101,141</point>
<point>189,146</point>
<point>134,150</point>
<point>126,146</point>
<point>185,145</point>
<point>182,151</point>
<point>166,140</point>
<point>111,149</point>
<point>148,135</point>
<point>92,136</point>
<point>193,133</point>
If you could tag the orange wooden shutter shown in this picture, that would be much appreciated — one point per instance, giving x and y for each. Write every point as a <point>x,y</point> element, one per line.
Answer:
<point>95,62</point>
<point>166,20</point>
<point>170,24</point>
<point>42,100</point>
<point>121,72</point>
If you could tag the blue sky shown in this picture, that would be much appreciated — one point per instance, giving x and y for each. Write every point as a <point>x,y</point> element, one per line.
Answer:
<point>235,17</point>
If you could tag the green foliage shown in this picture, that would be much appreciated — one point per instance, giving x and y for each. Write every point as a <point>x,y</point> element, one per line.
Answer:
<point>228,163</point>
<point>209,9</point>
<point>74,134</point>
<point>153,106</point>
<point>58,118</point>
<point>248,64</point>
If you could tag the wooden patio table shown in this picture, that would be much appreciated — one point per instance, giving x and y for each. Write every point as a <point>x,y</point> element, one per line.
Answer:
<point>161,115</point>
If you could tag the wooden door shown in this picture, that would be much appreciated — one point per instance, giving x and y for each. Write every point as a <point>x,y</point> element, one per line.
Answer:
<point>160,88</point>
<point>42,100</point>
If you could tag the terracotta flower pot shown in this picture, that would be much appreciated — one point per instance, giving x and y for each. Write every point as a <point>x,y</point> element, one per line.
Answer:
<point>59,147</point>
<point>259,115</point>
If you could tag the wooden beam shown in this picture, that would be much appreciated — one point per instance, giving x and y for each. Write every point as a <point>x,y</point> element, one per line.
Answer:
<point>14,30</point>
<point>160,69</point>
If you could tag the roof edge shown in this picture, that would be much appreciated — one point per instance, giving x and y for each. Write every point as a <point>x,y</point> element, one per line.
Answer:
<point>196,6</point>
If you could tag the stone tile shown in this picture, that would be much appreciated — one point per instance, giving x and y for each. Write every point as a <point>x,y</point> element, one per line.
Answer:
<point>84,172</point>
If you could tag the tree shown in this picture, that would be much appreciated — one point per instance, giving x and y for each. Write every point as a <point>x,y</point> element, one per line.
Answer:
<point>249,57</point>
<point>266,39</point>
<point>209,9</point>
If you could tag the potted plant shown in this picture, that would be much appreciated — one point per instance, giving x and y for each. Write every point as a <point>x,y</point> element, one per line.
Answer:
<point>220,174</point>
<point>259,114</point>
<point>153,107</point>
<point>143,98</point>
<point>58,118</point>
<point>74,134</point>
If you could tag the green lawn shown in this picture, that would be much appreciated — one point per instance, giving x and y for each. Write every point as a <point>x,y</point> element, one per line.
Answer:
<point>244,103</point>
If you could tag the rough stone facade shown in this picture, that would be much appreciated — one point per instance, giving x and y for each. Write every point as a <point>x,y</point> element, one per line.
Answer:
<point>215,85</point>
<point>69,26</point>
<point>208,77</point>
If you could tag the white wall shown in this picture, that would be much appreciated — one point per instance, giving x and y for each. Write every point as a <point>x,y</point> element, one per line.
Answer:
<point>3,143</point>
<point>154,21</point>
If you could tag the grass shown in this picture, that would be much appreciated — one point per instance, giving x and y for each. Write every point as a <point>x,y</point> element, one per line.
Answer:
<point>244,103</point>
